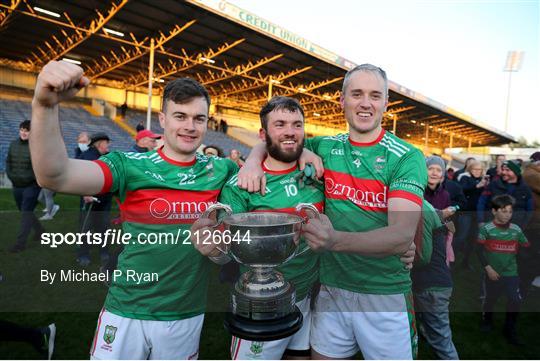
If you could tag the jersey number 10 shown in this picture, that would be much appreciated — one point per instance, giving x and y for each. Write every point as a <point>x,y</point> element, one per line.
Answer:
<point>291,190</point>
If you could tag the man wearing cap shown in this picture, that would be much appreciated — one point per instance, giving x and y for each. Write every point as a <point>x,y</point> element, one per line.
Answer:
<point>145,141</point>
<point>510,183</point>
<point>95,211</point>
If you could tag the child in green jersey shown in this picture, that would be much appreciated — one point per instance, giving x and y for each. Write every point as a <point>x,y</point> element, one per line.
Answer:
<point>500,241</point>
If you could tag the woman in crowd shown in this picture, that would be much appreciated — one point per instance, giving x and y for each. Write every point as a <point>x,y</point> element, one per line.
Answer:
<point>472,182</point>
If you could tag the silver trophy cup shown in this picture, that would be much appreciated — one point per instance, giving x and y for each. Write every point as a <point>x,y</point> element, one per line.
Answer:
<point>262,306</point>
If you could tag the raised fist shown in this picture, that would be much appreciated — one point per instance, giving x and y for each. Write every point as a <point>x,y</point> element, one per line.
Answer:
<point>58,81</point>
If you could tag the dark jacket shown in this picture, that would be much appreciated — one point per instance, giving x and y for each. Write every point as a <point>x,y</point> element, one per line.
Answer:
<point>436,273</point>
<point>104,199</point>
<point>531,176</point>
<point>138,149</point>
<point>438,198</point>
<point>457,198</point>
<point>492,173</point>
<point>458,172</point>
<point>78,152</point>
<point>19,164</point>
<point>468,183</point>
<point>520,191</point>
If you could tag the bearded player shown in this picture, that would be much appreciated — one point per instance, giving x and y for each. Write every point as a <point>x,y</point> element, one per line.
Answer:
<point>282,130</point>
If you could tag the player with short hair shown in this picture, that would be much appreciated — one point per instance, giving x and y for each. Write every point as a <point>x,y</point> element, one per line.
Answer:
<point>374,185</point>
<point>161,192</point>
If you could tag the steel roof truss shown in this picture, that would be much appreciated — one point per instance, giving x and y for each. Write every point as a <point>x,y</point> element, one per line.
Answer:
<point>6,14</point>
<point>70,42</point>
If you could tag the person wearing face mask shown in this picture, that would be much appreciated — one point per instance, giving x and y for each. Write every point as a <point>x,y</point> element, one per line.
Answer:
<point>25,188</point>
<point>82,144</point>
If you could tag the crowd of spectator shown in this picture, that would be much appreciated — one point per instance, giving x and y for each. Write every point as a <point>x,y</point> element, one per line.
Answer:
<point>496,221</point>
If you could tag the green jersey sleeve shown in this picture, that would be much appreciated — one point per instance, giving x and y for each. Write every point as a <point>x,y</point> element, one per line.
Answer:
<point>232,167</point>
<point>114,172</point>
<point>409,177</point>
<point>313,144</point>
<point>235,197</point>
<point>522,239</point>
<point>431,216</point>
<point>482,235</point>
<point>424,245</point>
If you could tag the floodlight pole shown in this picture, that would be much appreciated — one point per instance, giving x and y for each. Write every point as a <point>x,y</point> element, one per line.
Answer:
<point>508,101</point>
<point>513,64</point>
<point>150,82</point>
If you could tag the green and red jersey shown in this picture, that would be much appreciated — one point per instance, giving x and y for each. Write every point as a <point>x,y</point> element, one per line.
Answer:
<point>501,245</point>
<point>360,179</point>
<point>283,194</point>
<point>161,196</point>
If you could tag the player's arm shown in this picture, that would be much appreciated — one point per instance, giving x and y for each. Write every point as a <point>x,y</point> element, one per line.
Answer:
<point>59,81</point>
<point>396,238</point>
<point>251,176</point>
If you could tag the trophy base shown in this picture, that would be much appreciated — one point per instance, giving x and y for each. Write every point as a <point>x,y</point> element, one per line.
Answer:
<point>267,330</point>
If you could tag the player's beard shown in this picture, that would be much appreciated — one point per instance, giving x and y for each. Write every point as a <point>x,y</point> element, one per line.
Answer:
<point>287,157</point>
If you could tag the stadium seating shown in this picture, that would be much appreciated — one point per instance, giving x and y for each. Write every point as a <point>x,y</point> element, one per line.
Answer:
<point>75,119</point>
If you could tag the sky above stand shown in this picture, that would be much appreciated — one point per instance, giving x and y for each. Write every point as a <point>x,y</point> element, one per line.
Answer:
<point>451,51</point>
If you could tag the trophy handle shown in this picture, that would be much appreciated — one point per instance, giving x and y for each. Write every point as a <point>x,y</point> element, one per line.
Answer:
<point>214,208</point>
<point>312,212</point>
<point>310,209</point>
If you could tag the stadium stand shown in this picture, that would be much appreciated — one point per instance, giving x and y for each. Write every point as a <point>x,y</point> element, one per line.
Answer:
<point>75,119</point>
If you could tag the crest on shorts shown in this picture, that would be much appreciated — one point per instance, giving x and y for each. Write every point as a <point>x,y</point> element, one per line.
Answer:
<point>109,334</point>
<point>256,347</point>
